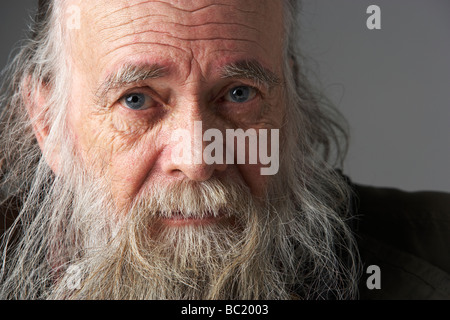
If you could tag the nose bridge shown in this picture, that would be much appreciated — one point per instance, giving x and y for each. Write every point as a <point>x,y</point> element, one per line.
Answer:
<point>192,119</point>
<point>193,122</point>
<point>190,115</point>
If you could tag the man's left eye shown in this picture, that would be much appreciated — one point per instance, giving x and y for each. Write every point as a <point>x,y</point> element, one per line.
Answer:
<point>137,101</point>
<point>240,94</point>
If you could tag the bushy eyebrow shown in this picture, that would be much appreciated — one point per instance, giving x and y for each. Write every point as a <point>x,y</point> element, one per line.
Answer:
<point>126,75</point>
<point>252,70</point>
<point>130,73</point>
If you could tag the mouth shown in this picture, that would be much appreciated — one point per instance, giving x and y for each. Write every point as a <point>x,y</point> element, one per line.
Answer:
<point>180,219</point>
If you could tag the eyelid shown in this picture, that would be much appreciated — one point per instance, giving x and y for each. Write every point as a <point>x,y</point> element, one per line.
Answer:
<point>257,91</point>
<point>145,90</point>
<point>147,103</point>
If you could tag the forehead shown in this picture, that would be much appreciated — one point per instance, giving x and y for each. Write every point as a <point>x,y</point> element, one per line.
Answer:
<point>206,31</point>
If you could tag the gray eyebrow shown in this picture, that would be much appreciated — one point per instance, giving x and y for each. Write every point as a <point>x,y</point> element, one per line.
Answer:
<point>252,70</point>
<point>126,75</point>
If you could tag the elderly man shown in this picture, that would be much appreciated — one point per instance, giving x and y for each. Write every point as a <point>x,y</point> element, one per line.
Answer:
<point>173,150</point>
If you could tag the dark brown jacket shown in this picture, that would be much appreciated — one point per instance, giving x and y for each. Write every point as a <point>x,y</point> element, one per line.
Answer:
<point>406,234</point>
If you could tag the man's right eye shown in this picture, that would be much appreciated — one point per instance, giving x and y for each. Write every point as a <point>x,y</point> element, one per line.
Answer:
<point>137,101</point>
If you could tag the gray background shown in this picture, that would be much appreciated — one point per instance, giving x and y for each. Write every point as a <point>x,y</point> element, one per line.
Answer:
<point>393,84</point>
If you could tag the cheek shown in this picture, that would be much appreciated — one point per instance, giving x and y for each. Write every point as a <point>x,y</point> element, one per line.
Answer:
<point>116,152</point>
<point>253,178</point>
<point>264,153</point>
<point>129,168</point>
<point>127,171</point>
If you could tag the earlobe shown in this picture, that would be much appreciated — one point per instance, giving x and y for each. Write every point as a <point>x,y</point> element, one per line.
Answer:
<point>36,99</point>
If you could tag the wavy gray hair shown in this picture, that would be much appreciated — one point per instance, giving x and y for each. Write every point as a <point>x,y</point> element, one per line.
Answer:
<point>313,209</point>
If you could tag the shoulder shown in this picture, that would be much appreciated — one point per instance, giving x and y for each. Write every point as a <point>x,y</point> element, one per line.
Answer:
<point>406,234</point>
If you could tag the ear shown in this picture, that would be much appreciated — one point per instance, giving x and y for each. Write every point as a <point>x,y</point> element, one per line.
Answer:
<point>36,99</point>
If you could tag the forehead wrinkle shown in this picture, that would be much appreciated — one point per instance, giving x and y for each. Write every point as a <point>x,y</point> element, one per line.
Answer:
<point>182,24</point>
<point>115,49</point>
<point>132,21</point>
<point>197,63</point>
<point>219,27</point>
<point>172,6</point>
<point>129,6</point>
<point>188,39</point>
<point>215,23</point>
<point>134,33</point>
<point>206,7</point>
<point>121,9</point>
<point>182,31</point>
<point>141,43</point>
<point>135,16</point>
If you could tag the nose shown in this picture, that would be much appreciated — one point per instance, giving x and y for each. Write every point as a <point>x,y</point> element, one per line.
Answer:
<point>190,149</point>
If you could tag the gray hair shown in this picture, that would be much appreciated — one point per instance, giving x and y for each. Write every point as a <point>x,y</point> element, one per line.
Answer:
<point>317,141</point>
<point>39,63</point>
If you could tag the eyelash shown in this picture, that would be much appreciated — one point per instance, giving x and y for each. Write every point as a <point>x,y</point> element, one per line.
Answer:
<point>147,91</point>
<point>221,96</point>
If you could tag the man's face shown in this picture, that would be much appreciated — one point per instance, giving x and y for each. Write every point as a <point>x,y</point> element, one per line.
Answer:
<point>143,69</point>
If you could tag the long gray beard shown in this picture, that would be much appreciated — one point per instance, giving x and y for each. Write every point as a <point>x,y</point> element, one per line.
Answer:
<point>141,258</point>
<point>80,247</point>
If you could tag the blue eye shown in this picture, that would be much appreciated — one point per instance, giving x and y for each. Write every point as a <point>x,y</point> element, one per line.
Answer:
<point>240,94</point>
<point>137,101</point>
